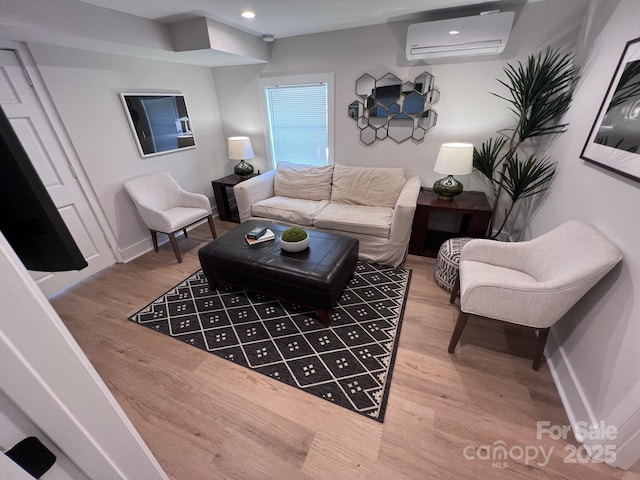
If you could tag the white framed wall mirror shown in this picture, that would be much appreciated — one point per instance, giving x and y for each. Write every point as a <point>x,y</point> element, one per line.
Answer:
<point>159,122</point>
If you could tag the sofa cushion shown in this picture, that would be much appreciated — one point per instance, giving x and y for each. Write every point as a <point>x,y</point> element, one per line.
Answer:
<point>376,187</point>
<point>290,210</point>
<point>303,181</point>
<point>375,221</point>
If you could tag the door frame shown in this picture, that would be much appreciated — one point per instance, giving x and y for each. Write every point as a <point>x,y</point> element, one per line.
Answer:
<point>34,78</point>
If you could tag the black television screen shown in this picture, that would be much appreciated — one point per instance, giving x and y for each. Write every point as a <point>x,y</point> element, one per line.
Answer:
<point>159,122</point>
<point>29,219</point>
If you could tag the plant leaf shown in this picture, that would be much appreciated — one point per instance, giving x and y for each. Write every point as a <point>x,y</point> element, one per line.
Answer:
<point>526,178</point>
<point>540,91</point>
<point>486,159</point>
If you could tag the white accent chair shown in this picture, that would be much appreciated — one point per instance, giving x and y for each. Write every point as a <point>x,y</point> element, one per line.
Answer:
<point>532,283</point>
<point>166,208</point>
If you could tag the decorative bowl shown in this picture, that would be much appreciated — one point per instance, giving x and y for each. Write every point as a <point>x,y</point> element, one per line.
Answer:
<point>294,246</point>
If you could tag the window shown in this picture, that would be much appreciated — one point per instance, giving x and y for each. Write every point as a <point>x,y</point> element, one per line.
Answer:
<point>299,118</point>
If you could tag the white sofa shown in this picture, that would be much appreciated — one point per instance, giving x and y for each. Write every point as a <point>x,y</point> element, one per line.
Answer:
<point>374,205</point>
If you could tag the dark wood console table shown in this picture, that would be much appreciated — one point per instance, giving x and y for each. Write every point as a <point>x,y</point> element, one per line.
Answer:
<point>472,206</point>
<point>225,201</point>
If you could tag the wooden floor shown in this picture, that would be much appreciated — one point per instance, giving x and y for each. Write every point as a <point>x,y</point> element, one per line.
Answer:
<point>207,418</point>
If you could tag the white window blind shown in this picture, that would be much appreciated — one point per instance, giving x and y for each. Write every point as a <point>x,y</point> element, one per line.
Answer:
<point>298,123</point>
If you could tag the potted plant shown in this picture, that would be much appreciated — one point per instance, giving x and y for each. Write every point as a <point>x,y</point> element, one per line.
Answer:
<point>539,92</point>
<point>294,239</point>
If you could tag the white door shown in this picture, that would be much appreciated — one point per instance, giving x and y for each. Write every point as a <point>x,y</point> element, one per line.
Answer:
<point>44,373</point>
<point>31,123</point>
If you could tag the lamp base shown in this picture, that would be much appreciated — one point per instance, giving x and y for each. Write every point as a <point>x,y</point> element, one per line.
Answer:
<point>447,188</point>
<point>243,169</point>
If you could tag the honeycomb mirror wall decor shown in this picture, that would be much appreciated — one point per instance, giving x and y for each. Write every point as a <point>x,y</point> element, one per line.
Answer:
<point>387,107</point>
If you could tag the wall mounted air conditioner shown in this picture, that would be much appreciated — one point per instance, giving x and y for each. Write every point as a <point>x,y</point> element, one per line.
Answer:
<point>485,34</point>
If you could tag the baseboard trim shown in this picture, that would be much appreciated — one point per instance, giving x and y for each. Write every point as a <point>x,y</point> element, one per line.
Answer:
<point>628,442</point>
<point>573,398</point>
<point>578,409</point>
<point>137,249</point>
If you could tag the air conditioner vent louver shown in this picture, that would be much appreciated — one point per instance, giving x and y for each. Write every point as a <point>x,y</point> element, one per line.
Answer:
<point>478,35</point>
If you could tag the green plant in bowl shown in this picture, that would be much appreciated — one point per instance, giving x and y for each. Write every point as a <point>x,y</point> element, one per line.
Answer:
<point>294,239</point>
<point>293,234</point>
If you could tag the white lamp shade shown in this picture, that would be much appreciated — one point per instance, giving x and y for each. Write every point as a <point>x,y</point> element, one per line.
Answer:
<point>240,148</point>
<point>455,159</point>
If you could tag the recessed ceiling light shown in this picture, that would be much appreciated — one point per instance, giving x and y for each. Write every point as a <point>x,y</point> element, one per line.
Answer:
<point>453,32</point>
<point>248,14</point>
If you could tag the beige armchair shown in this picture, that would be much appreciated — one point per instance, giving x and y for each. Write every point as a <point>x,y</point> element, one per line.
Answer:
<point>532,283</point>
<point>165,207</point>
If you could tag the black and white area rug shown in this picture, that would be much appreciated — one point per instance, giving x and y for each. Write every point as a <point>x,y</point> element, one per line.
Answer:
<point>349,363</point>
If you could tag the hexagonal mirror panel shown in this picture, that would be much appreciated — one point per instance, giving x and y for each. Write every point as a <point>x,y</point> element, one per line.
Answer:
<point>407,88</point>
<point>401,128</point>
<point>369,102</point>
<point>413,104</point>
<point>433,96</point>
<point>378,116</point>
<point>368,136</point>
<point>365,85</point>
<point>388,89</point>
<point>428,119</point>
<point>356,110</point>
<point>381,133</point>
<point>418,134</point>
<point>363,122</point>
<point>394,108</point>
<point>424,82</point>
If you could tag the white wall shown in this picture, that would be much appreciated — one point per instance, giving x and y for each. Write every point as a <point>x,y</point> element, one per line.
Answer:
<point>84,87</point>
<point>466,109</point>
<point>595,347</point>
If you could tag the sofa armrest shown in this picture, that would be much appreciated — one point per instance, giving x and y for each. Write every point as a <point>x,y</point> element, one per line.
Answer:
<point>404,210</point>
<point>253,190</point>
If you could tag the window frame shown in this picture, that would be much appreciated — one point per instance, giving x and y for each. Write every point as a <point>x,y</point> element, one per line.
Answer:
<point>289,80</point>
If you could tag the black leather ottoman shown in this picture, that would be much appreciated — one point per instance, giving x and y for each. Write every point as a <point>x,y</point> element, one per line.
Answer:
<point>314,277</point>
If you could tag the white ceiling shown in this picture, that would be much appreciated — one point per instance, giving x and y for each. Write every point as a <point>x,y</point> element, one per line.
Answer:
<point>283,18</point>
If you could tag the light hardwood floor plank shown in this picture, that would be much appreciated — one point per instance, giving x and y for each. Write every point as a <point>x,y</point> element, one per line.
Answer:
<point>206,418</point>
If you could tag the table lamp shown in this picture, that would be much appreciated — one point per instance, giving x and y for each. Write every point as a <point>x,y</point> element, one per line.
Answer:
<point>453,159</point>
<point>240,149</point>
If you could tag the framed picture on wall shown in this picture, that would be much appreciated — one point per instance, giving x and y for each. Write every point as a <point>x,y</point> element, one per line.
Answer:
<point>614,140</point>
<point>159,122</point>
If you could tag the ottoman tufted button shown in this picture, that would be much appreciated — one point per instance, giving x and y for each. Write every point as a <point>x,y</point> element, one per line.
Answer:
<point>448,260</point>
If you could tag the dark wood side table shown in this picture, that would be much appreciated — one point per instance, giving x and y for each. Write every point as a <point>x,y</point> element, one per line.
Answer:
<point>225,201</point>
<point>472,206</point>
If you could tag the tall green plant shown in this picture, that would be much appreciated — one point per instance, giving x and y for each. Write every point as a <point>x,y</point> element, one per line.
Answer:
<point>539,93</point>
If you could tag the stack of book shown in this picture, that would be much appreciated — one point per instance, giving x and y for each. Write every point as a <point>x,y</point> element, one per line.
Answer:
<point>264,237</point>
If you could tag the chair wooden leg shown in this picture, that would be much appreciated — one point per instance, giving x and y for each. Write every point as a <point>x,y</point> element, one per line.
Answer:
<point>174,244</point>
<point>457,331</point>
<point>212,227</point>
<point>154,239</point>
<point>456,289</point>
<point>184,230</point>
<point>543,333</point>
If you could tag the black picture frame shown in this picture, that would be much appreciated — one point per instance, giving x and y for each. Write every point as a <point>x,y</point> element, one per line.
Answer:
<point>614,139</point>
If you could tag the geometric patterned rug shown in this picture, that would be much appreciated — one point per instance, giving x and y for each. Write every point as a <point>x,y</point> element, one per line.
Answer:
<point>349,363</point>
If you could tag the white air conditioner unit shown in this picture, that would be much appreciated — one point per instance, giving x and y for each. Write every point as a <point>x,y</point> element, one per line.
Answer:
<point>485,34</point>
